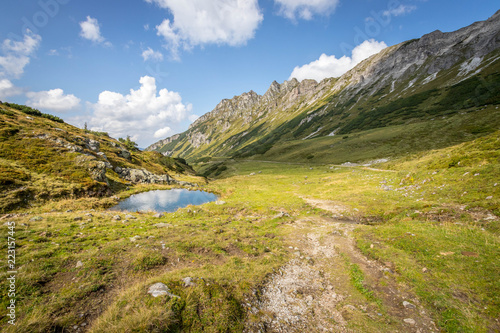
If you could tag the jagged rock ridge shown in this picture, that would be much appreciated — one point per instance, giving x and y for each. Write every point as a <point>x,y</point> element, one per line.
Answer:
<point>307,109</point>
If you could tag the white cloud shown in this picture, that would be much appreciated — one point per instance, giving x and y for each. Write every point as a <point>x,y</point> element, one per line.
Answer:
<point>162,132</point>
<point>400,10</point>
<point>306,9</point>
<point>17,54</point>
<point>54,100</point>
<point>7,89</point>
<point>144,113</point>
<point>192,118</point>
<point>199,22</point>
<point>330,66</point>
<point>90,30</point>
<point>150,54</point>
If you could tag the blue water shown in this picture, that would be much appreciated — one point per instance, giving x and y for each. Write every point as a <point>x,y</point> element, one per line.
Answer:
<point>164,200</point>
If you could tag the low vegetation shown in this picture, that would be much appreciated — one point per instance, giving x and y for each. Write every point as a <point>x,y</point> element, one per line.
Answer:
<point>430,218</point>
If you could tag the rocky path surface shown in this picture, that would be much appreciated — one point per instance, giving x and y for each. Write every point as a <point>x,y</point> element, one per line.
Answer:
<point>314,292</point>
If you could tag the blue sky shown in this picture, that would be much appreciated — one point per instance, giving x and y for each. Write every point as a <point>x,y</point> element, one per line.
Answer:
<point>148,68</point>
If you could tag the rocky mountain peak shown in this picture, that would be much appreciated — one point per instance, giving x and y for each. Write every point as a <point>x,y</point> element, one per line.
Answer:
<point>272,92</point>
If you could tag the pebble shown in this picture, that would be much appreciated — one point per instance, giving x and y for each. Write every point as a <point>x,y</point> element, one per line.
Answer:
<point>79,264</point>
<point>408,305</point>
<point>117,218</point>
<point>409,321</point>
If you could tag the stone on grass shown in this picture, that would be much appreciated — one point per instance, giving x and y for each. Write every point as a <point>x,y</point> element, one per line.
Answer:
<point>135,238</point>
<point>130,217</point>
<point>36,218</point>
<point>220,202</point>
<point>408,305</point>
<point>162,225</point>
<point>158,215</point>
<point>79,264</point>
<point>117,218</point>
<point>281,214</point>
<point>159,289</point>
<point>188,282</point>
<point>409,321</point>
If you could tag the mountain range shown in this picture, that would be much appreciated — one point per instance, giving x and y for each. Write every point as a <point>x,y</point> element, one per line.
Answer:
<point>418,82</point>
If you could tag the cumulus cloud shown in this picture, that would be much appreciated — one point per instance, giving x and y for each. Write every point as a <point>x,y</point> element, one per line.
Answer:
<point>306,9</point>
<point>330,66</point>
<point>144,114</point>
<point>54,100</point>
<point>7,89</point>
<point>400,10</point>
<point>162,132</point>
<point>199,22</point>
<point>16,54</point>
<point>90,30</point>
<point>150,54</point>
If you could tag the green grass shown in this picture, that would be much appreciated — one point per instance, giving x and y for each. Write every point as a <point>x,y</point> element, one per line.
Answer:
<point>413,210</point>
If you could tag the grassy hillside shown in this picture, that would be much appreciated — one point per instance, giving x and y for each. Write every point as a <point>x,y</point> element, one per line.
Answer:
<point>423,223</point>
<point>273,129</point>
<point>42,159</point>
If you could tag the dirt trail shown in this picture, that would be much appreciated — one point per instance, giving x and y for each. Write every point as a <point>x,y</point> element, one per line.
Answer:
<point>314,293</point>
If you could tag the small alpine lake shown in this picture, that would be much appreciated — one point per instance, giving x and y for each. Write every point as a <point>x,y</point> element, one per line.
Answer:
<point>164,200</point>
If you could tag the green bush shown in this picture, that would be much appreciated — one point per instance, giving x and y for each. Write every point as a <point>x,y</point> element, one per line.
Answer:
<point>33,112</point>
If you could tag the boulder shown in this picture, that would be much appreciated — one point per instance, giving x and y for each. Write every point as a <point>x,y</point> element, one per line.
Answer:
<point>159,289</point>
<point>94,145</point>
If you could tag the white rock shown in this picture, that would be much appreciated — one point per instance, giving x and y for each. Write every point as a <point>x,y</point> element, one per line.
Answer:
<point>408,305</point>
<point>409,321</point>
<point>159,289</point>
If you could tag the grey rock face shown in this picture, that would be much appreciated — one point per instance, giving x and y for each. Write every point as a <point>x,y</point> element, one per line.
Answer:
<point>125,154</point>
<point>163,142</point>
<point>160,289</point>
<point>141,176</point>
